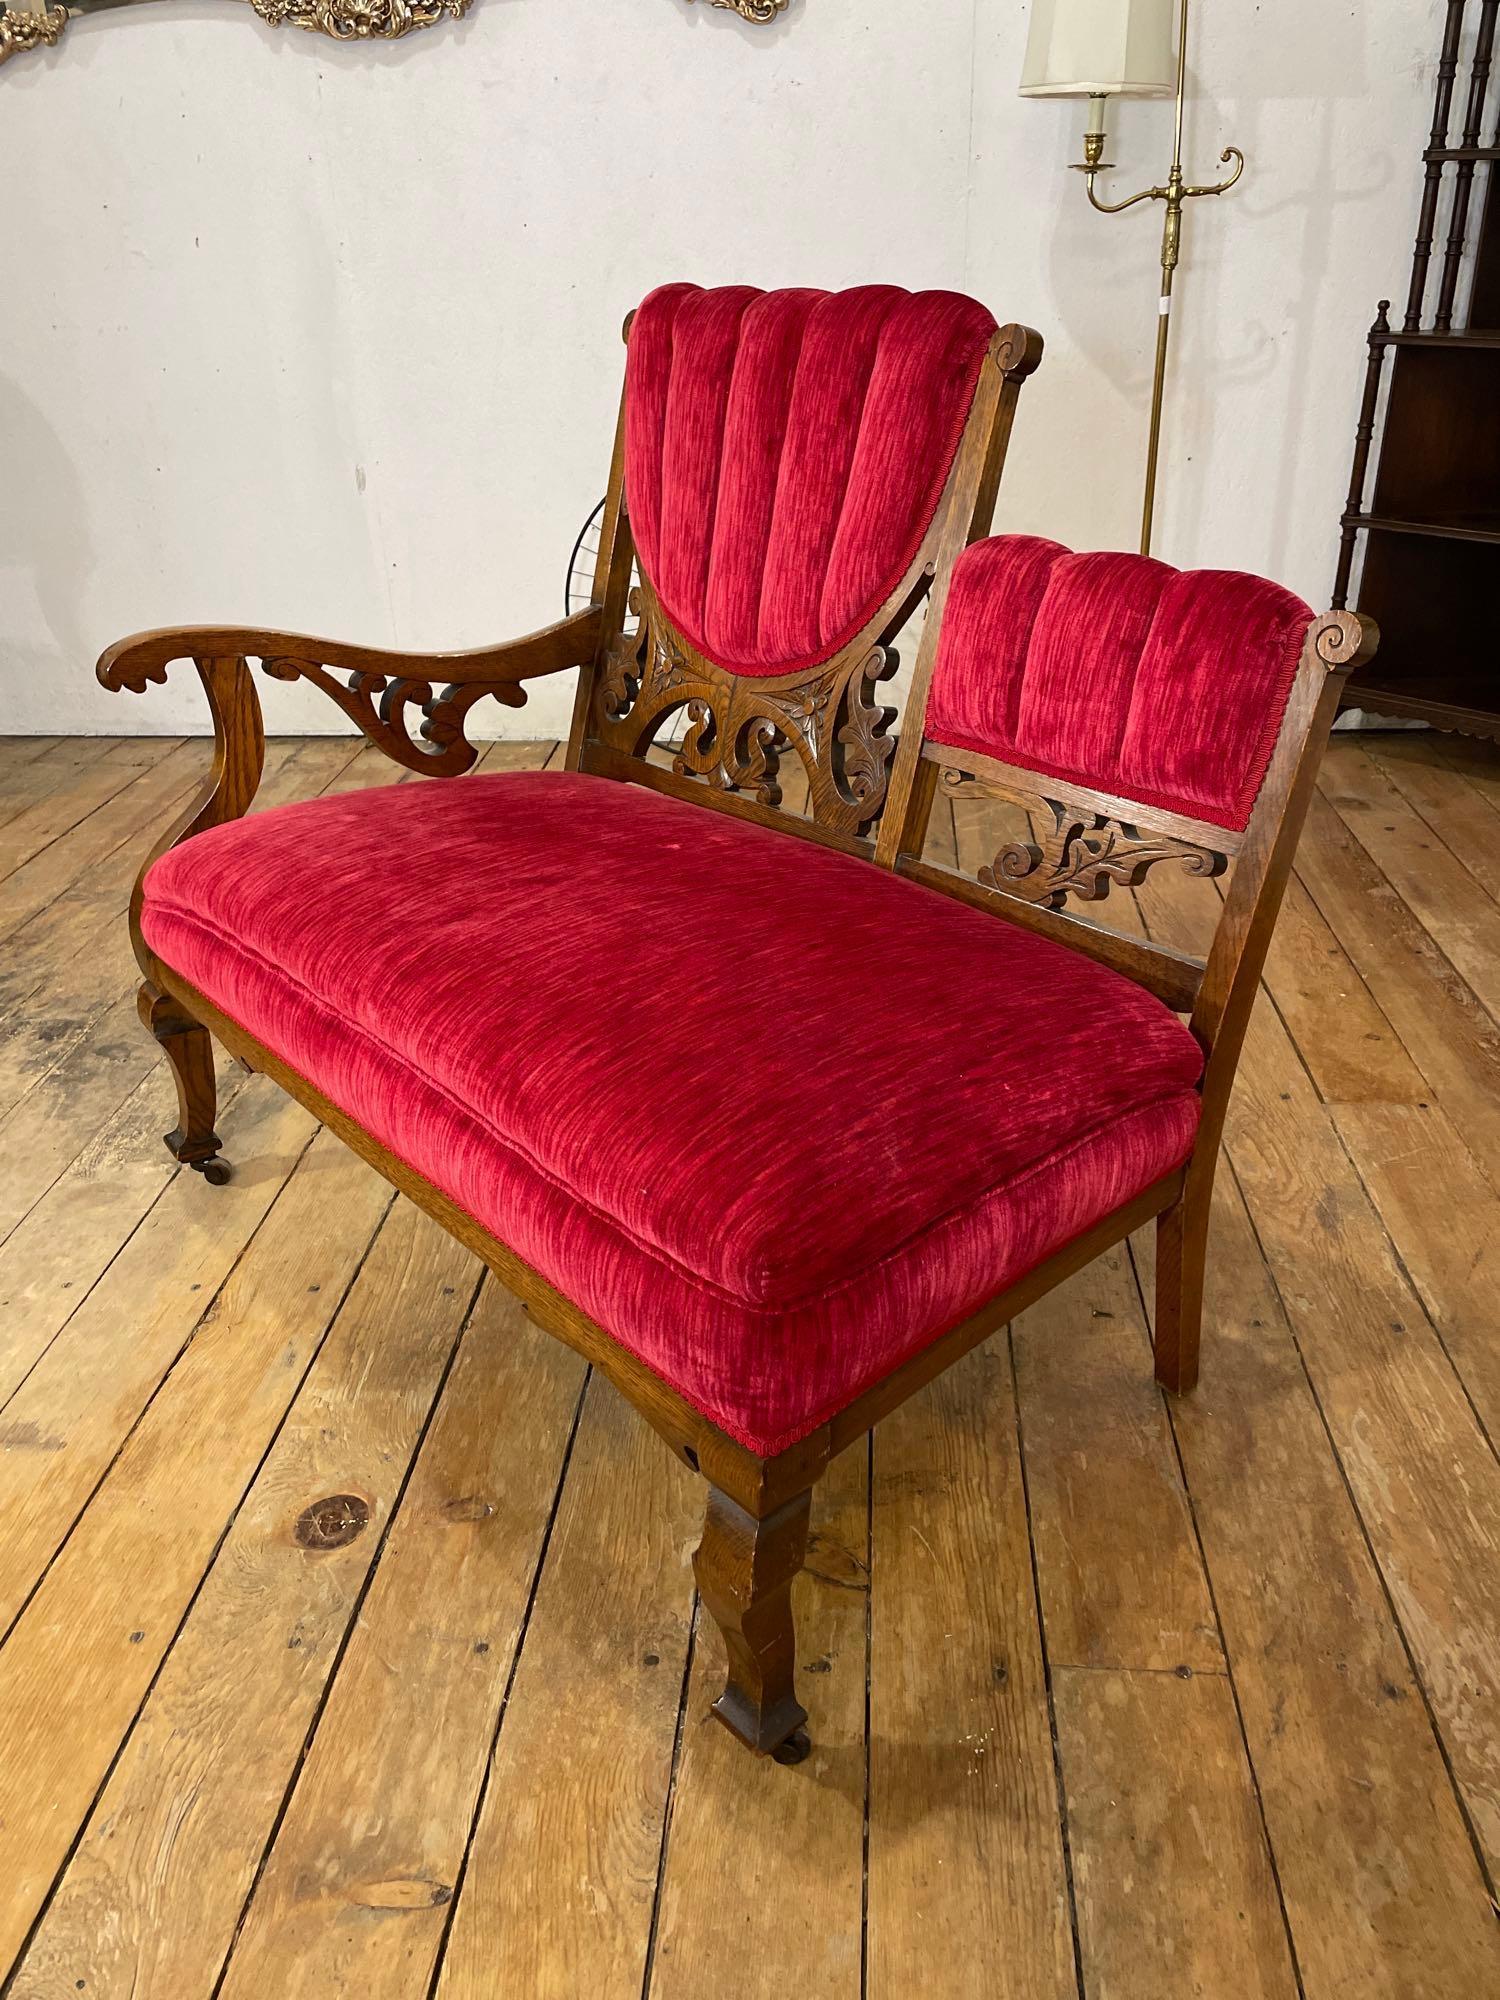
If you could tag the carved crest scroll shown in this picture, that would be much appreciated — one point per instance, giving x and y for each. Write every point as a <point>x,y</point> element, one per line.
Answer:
<point>740,727</point>
<point>1076,850</point>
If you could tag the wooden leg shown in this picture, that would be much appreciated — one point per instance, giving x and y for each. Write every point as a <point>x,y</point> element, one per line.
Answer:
<point>1181,1256</point>
<point>191,1056</point>
<point>745,1570</point>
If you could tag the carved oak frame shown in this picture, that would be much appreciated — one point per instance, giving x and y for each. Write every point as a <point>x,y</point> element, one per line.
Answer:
<point>868,799</point>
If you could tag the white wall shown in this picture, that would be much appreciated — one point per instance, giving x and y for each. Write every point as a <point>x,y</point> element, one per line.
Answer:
<point>327,337</point>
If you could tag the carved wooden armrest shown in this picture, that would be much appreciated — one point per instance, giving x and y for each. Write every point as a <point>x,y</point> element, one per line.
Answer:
<point>378,692</point>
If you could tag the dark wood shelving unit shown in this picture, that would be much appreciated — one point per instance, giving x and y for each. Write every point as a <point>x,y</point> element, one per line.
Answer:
<point>1425,517</point>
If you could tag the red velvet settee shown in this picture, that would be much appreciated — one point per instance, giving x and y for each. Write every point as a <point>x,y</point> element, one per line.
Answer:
<point>767,1114</point>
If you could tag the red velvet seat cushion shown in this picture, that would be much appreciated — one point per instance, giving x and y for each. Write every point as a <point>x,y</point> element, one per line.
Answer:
<point>1160,685</point>
<point>772,1117</point>
<point>785,453</point>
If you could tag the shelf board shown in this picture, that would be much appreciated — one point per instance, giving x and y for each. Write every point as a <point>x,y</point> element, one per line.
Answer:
<point>1444,703</point>
<point>1469,336</point>
<point>1461,528</point>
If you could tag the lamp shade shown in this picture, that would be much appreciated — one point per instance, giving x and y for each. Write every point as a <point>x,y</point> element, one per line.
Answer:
<point>1099,48</point>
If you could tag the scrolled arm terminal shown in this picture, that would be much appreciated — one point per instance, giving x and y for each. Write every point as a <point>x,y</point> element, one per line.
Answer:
<point>1344,639</point>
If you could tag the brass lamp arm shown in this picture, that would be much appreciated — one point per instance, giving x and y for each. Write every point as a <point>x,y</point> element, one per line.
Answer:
<point>1115,207</point>
<point>1181,192</point>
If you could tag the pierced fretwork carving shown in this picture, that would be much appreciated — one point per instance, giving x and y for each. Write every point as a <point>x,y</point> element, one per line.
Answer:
<point>382,707</point>
<point>740,727</point>
<point>1077,851</point>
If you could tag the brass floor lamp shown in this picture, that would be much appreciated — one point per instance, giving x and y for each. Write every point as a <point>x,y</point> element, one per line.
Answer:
<point>1123,48</point>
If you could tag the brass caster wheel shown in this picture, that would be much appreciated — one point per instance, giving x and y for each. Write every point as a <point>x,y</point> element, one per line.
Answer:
<point>216,1172</point>
<point>797,1746</point>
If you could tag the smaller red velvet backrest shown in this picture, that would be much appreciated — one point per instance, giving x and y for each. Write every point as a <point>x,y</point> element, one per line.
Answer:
<point>1117,673</point>
<point>785,453</point>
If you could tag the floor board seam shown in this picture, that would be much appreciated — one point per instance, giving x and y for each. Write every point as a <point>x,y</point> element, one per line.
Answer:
<point>1183,1673</point>
<point>114,1257</point>
<point>1370,1549</point>
<point>63,833</point>
<point>65,894</point>
<point>1451,973</point>
<point>538,1569</point>
<point>1395,1249</point>
<point>315,1349</point>
<point>1227,1164</point>
<point>161,1383</point>
<point>1147,1320</point>
<point>1486,889</point>
<point>1417,1292</point>
<point>1416,917</point>
<point>1058,1779</point>
<point>346,1636</point>
<point>153,1064</point>
<point>669,1803</point>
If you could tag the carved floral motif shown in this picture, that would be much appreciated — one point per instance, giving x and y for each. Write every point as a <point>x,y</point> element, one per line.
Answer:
<point>1081,853</point>
<point>22,31</point>
<point>343,20</point>
<point>753,10</point>
<point>359,20</point>
<point>739,727</point>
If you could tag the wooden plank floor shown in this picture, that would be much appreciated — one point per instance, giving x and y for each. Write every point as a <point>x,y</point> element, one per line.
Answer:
<point>348,1642</point>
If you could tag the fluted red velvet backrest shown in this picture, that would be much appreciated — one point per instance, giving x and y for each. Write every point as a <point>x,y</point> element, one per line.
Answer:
<point>784,456</point>
<point>1162,686</point>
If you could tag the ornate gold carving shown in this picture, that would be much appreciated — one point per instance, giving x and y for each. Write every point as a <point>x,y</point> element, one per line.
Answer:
<point>753,10</point>
<point>343,20</point>
<point>380,705</point>
<point>1082,853</point>
<point>360,20</point>
<point>21,31</point>
<point>739,726</point>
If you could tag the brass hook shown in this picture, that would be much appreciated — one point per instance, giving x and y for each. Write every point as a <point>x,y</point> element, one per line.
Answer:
<point>1222,187</point>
